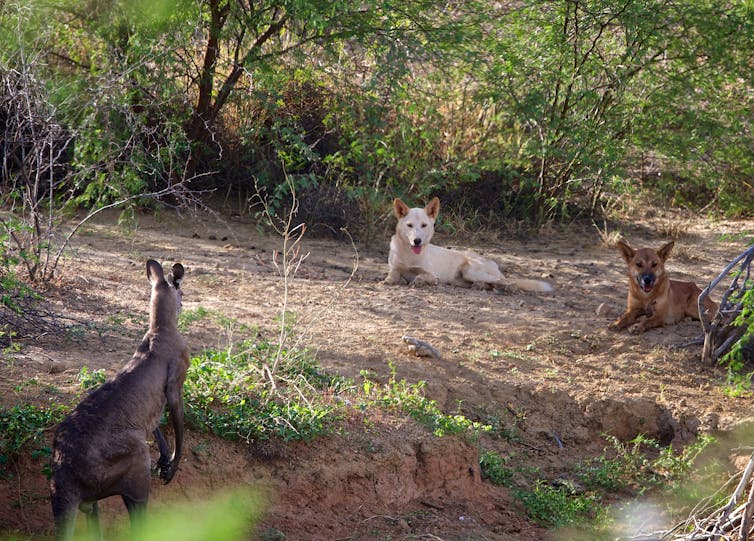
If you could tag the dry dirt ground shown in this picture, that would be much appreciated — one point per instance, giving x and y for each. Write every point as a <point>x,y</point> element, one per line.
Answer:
<point>545,366</point>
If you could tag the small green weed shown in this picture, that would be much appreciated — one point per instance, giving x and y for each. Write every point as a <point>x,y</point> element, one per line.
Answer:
<point>228,325</point>
<point>189,317</point>
<point>31,382</point>
<point>549,505</point>
<point>89,379</point>
<point>495,469</point>
<point>738,383</point>
<point>639,465</point>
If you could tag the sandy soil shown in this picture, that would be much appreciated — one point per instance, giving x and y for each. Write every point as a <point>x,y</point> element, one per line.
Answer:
<point>544,365</point>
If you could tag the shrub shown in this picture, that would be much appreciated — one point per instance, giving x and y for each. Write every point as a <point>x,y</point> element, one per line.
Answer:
<point>228,393</point>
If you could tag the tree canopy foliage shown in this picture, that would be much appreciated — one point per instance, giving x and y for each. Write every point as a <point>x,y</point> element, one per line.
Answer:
<point>529,109</point>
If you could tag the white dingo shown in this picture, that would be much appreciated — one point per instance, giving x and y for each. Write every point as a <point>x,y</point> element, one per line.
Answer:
<point>415,261</point>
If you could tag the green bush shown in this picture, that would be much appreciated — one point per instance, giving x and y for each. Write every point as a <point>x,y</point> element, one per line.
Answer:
<point>556,506</point>
<point>22,427</point>
<point>229,394</point>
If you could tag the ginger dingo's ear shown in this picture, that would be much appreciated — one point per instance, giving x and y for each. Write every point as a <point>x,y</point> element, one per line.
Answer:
<point>664,252</point>
<point>433,208</point>
<point>625,250</point>
<point>399,208</point>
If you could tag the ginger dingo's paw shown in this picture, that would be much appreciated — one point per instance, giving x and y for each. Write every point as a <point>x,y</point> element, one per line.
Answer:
<point>637,329</point>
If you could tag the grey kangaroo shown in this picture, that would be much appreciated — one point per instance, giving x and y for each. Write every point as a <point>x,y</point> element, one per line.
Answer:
<point>101,449</point>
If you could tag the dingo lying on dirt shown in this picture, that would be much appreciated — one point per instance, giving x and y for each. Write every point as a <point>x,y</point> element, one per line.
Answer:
<point>652,294</point>
<point>417,262</point>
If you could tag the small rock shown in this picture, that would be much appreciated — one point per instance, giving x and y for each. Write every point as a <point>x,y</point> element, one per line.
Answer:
<point>56,367</point>
<point>711,421</point>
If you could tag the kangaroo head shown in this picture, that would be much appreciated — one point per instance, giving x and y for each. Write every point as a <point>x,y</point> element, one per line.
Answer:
<point>165,304</point>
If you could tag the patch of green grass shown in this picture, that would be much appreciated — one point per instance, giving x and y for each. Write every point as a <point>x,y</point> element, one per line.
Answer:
<point>637,465</point>
<point>409,399</point>
<point>235,395</point>
<point>254,391</point>
<point>739,236</point>
<point>640,464</point>
<point>549,504</point>
<point>228,325</point>
<point>738,383</point>
<point>188,317</point>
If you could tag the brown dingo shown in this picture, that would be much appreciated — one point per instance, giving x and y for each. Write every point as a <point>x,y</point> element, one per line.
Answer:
<point>415,261</point>
<point>652,294</point>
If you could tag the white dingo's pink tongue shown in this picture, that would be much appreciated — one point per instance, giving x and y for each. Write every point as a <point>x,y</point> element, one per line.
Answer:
<point>417,249</point>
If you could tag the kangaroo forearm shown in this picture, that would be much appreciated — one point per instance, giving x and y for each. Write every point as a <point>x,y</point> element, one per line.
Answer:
<point>162,445</point>
<point>176,414</point>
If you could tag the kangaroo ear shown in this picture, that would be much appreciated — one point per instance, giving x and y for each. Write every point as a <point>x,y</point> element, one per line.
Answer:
<point>664,252</point>
<point>400,209</point>
<point>154,271</point>
<point>433,208</point>
<point>625,250</point>
<point>176,275</point>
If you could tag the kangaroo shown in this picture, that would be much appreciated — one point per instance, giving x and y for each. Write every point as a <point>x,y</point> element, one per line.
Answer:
<point>101,449</point>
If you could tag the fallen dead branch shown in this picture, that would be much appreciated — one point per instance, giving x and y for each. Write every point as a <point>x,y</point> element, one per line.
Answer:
<point>720,333</point>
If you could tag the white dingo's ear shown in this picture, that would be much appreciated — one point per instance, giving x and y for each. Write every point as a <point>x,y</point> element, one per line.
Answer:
<point>433,208</point>
<point>399,208</point>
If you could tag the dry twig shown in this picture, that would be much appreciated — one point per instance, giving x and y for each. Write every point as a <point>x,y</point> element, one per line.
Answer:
<point>731,522</point>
